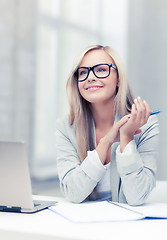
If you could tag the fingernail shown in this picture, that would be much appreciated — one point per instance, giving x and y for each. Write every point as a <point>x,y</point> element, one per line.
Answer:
<point>139,97</point>
<point>144,101</point>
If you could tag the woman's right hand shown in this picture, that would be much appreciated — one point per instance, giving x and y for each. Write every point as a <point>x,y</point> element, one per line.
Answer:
<point>114,135</point>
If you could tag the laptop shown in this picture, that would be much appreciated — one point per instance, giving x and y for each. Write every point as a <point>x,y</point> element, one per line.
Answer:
<point>15,183</point>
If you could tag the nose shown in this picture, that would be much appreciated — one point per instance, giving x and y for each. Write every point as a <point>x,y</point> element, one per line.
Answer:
<point>91,76</point>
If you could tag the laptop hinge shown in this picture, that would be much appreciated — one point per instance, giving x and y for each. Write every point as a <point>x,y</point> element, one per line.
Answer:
<point>10,209</point>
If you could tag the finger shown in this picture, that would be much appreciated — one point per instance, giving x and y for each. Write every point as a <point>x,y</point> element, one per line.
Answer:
<point>133,112</point>
<point>123,120</point>
<point>141,109</point>
<point>148,109</point>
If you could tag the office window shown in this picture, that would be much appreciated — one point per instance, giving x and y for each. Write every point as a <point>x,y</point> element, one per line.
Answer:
<point>40,40</point>
<point>17,61</point>
<point>64,28</point>
<point>61,33</point>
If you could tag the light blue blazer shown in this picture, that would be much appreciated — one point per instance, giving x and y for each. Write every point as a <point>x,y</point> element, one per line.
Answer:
<point>133,174</point>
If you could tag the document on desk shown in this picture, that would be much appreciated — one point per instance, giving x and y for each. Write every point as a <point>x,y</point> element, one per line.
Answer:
<point>150,210</point>
<point>88,212</point>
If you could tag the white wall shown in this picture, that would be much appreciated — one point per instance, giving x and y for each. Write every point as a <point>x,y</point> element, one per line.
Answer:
<point>147,62</point>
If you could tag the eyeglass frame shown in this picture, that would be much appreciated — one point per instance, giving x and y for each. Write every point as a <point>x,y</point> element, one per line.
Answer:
<point>92,69</point>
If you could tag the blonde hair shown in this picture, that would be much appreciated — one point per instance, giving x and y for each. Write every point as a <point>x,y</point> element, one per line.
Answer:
<point>80,111</point>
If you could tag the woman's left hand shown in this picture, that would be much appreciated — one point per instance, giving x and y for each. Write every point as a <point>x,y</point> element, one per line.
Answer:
<point>138,117</point>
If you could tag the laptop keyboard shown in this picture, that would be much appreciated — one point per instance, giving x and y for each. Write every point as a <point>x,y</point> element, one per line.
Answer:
<point>41,202</point>
<point>37,203</point>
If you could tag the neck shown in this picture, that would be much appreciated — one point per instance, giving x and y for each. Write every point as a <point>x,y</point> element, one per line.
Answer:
<point>103,115</point>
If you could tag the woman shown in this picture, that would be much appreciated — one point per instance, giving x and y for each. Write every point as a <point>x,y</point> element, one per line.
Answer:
<point>107,146</point>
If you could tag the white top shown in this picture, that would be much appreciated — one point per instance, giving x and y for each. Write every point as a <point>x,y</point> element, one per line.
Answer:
<point>132,173</point>
<point>104,185</point>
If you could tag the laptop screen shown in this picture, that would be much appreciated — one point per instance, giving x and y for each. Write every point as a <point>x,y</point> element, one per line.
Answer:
<point>15,184</point>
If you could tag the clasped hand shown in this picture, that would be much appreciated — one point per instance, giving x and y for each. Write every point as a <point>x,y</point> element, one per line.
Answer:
<point>130,124</point>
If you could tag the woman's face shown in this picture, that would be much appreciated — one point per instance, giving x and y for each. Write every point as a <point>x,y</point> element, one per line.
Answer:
<point>98,90</point>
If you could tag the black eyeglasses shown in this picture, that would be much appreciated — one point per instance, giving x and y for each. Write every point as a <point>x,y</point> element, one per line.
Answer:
<point>100,71</point>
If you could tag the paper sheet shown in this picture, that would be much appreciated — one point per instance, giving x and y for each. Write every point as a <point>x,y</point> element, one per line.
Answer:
<point>152,210</point>
<point>94,212</point>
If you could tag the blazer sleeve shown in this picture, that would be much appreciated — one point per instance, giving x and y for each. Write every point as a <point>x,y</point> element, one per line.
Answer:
<point>137,168</point>
<point>77,179</point>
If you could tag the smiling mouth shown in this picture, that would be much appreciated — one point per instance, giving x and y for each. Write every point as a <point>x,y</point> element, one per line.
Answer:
<point>93,88</point>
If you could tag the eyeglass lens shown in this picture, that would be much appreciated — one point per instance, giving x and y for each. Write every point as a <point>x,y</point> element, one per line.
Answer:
<point>100,71</point>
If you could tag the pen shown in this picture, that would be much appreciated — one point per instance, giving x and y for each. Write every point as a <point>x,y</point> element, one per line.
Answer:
<point>155,112</point>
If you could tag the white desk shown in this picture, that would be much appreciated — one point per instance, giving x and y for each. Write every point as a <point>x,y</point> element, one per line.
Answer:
<point>47,225</point>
